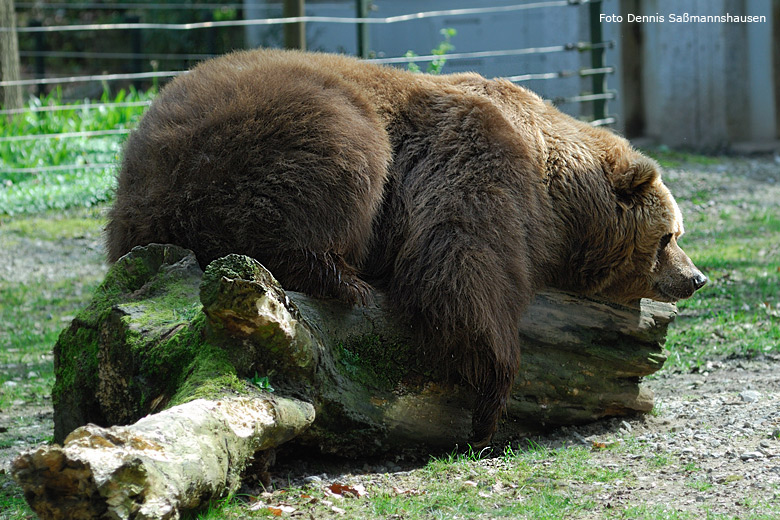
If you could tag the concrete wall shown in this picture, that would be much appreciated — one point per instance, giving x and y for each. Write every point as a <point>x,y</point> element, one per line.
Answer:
<point>706,86</point>
<point>762,47</point>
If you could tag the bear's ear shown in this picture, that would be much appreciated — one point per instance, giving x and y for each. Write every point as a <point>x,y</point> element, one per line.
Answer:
<point>639,174</point>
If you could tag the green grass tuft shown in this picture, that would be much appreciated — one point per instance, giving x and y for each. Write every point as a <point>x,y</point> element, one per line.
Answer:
<point>34,191</point>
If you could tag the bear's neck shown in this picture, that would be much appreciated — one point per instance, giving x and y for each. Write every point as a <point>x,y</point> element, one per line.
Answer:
<point>584,218</point>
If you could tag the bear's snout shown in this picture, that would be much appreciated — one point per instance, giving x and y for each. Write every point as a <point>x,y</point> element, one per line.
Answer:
<point>677,278</point>
<point>699,280</point>
<point>696,281</point>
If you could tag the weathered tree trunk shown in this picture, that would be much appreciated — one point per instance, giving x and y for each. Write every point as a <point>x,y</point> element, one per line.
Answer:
<point>146,344</point>
<point>9,56</point>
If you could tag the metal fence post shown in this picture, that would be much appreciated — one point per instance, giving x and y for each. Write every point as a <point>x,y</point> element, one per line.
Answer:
<point>294,33</point>
<point>597,60</point>
<point>363,7</point>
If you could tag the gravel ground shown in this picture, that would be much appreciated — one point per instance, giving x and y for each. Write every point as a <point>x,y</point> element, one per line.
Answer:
<point>712,444</point>
<point>712,448</point>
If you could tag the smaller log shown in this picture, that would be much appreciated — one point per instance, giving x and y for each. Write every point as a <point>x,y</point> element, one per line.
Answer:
<point>161,465</point>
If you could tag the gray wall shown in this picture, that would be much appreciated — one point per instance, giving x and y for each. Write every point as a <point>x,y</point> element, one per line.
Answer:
<point>704,86</point>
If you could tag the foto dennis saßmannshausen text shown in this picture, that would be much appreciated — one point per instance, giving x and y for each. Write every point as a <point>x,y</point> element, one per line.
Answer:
<point>681,18</point>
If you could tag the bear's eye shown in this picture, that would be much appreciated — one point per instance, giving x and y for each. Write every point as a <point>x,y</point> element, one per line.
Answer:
<point>664,241</point>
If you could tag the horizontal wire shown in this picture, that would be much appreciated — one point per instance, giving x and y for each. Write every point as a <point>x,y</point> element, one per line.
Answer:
<point>295,19</point>
<point>64,108</point>
<point>96,77</point>
<point>583,99</point>
<point>102,133</point>
<point>560,74</point>
<point>97,133</point>
<point>130,104</point>
<point>483,54</point>
<point>401,59</point>
<point>64,135</point>
<point>579,46</point>
<point>113,55</point>
<point>126,5</point>
<point>601,122</point>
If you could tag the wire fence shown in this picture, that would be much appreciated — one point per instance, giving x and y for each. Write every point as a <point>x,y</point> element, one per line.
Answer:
<point>302,19</point>
<point>125,5</point>
<point>599,96</point>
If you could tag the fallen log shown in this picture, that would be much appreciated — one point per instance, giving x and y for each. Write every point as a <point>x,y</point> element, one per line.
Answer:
<point>160,335</point>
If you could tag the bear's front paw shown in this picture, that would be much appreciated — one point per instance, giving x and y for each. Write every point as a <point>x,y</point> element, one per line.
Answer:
<point>355,291</point>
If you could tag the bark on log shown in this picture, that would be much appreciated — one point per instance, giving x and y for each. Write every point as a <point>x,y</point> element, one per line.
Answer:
<point>145,344</point>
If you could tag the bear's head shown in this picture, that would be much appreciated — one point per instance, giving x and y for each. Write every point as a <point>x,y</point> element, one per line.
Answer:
<point>648,224</point>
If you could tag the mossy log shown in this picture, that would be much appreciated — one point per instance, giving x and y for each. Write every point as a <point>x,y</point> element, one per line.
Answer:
<point>160,336</point>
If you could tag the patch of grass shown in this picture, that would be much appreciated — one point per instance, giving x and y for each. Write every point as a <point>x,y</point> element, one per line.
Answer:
<point>28,190</point>
<point>737,313</point>
<point>12,504</point>
<point>669,158</point>
<point>699,484</point>
<point>660,460</point>
<point>529,482</point>
<point>57,225</point>
<point>34,310</point>
<point>691,467</point>
<point>33,314</point>
<point>232,506</point>
<point>664,512</point>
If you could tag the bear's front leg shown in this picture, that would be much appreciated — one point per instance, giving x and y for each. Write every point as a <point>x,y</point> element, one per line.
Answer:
<point>465,300</point>
<point>471,210</point>
<point>490,404</point>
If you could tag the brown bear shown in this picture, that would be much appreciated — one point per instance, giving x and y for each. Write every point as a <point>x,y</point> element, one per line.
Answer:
<point>458,196</point>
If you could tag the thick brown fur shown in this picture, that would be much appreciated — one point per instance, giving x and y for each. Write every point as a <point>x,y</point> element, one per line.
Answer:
<point>459,196</point>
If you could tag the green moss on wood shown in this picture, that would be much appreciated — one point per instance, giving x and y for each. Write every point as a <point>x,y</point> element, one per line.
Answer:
<point>235,267</point>
<point>209,373</point>
<point>376,362</point>
<point>135,302</point>
<point>74,394</point>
